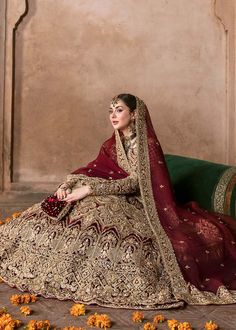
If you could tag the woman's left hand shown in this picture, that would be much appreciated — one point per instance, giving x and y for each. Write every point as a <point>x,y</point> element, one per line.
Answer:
<point>77,194</point>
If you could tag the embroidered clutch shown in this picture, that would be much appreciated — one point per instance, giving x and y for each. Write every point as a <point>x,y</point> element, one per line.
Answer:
<point>55,208</point>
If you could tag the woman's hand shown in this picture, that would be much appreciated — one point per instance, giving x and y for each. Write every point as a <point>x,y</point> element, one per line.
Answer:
<point>62,193</point>
<point>78,194</point>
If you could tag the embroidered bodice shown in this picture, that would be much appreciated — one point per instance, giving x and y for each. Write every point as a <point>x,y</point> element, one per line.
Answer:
<point>110,187</point>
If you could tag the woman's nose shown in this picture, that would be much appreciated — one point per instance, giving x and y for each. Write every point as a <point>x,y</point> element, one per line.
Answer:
<point>113,115</point>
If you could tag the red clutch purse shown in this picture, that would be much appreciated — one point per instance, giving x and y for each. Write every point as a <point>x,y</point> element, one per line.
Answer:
<point>55,208</point>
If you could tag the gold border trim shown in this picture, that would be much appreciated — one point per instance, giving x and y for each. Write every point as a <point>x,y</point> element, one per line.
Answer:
<point>180,288</point>
<point>221,188</point>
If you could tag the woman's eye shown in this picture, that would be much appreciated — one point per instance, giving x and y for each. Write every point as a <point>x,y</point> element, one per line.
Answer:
<point>119,110</point>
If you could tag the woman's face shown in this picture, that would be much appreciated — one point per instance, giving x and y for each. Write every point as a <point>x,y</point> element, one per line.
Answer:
<point>120,115</point>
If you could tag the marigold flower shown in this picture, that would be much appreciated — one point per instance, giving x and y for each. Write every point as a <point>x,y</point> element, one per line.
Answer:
<point>25,298</point>
<point>7,219</point>
<point>33,298</point>
<point>158,319</point>
<point>91,321</point>
<point>25,310</point>
<point>173,324</point>
<point>184,326</point>
<point>211,325</point>
<point>38,325</point>
<point>15,299</point>
<point>77,309</point>
<point>31,325</point>
<point>103,321</point>
<point>137,317</point>
<point>9,327</point>
<point>2,222</point>
<point>7,322</point>
<point>149,326</point>
<point>16,214</point>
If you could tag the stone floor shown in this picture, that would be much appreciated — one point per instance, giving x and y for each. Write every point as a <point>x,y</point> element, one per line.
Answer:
<point>57,312</point>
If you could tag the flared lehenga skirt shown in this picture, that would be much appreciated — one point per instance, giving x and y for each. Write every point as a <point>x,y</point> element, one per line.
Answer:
<point>102,253</point>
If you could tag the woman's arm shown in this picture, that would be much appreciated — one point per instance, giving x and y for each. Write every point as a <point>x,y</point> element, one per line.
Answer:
<point>102,187</point>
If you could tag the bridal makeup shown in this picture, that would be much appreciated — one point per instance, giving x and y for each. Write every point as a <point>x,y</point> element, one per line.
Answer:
<point>120,115</point>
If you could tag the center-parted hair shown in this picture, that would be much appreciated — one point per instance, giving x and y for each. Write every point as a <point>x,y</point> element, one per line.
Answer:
<point>128,99</point>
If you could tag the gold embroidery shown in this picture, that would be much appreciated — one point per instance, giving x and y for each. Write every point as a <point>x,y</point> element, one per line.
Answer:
<point>122,254</point>
<point>218,198</point>
<point>110,187</point>
<point>180,288</point>
<point>121,156</point>
<point>108,240</point>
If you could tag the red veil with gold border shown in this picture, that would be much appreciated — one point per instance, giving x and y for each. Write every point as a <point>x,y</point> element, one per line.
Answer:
<point>198,248</point>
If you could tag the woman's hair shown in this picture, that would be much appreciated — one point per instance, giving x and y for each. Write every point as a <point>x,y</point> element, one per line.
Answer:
<point>129,100</point>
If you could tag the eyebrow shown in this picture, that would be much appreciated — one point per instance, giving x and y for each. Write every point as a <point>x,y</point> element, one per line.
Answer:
<point>117,106</point>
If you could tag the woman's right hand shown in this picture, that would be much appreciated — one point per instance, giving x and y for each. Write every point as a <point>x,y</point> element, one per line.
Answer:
<point>62,193</point>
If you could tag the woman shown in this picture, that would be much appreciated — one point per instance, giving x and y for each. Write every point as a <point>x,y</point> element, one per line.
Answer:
<point>123,241</point>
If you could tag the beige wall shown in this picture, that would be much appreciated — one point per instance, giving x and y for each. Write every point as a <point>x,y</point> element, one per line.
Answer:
<point>72,56</point>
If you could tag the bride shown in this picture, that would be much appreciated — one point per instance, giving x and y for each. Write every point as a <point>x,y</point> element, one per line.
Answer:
<point>113,235</point>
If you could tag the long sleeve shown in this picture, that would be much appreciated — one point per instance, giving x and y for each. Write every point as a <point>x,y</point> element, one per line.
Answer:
<point>114,187</point>
<point>103,187</point>
<point>100,186</point>
<point>70,181</point>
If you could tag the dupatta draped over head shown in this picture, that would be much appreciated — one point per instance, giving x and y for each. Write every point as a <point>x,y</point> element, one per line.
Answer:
<point>198,248</point>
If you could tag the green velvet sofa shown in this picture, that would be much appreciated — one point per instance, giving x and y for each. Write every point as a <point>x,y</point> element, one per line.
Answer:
<point>212,185</point>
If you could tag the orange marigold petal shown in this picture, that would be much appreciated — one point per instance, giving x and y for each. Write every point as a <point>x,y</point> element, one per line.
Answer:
<point>16,214</point>
<point>77,309</point>
<point>137,316</point>
<point>184,326</point>
<point>211,326</point>
<point>173,324</point>
<point>91,321</point>
<point>103,321</point>
<point>149,326</point>
<point>158,319</point>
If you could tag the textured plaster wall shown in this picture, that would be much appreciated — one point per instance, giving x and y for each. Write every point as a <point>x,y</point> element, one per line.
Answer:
<point>73,56</point>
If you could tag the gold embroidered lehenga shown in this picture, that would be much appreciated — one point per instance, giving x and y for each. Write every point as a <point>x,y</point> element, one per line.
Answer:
<point>128,243</point>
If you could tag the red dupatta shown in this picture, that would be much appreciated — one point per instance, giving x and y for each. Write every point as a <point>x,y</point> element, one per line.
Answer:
<point>194,244</point>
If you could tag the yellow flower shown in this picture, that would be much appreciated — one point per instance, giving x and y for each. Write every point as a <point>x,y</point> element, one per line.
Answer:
<point>211,325</point>
<point>16,214</point>
<point>25,298</point>
<point>158,319</point>
<point>38,325</point>
<point>9,327</point>
<point>7,322</point>
<point>103,321</point>
<point>149,326</point>
<point>99,320</point>
<point>31,325</point>
<point>184,326</point>
<point>15,299</point>
<point>137,316</point>
<point>173,324</point>
<point>25,310</point>
<point>33,298</point>
<point>77,309</point>
<point>91,321</point>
